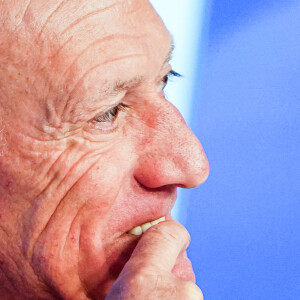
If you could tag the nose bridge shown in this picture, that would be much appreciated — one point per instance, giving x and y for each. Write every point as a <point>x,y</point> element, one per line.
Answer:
<point>173,154</point>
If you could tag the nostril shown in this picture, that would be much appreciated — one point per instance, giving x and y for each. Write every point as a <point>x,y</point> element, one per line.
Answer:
<point>169,188</point>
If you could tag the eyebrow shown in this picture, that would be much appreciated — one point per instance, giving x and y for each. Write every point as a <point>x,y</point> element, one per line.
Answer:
<point>170,53</point>
<point>121,86</point>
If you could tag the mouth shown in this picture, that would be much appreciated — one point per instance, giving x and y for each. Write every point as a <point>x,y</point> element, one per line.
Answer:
<point>140,229</point>
<point>183,268</point>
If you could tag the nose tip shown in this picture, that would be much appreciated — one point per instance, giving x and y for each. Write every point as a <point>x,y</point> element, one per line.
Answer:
<point>174,156</point>
<point>194,165</point>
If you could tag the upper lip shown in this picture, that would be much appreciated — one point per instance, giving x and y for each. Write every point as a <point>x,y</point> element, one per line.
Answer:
<point>139,207</point>
<point>153,211</point>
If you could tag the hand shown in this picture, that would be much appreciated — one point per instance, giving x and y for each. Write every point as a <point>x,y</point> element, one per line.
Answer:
<point>147,275</point>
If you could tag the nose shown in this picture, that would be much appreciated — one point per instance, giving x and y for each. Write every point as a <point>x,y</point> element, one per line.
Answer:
<point>170,154</point>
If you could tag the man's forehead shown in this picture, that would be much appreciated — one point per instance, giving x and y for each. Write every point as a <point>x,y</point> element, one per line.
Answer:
<point>103,39</point>
<point>43,14</point>
<point>81,21</point>
<point>80,25</point>
<point>97,37</point>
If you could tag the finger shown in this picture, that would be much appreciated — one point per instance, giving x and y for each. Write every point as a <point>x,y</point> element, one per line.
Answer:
<point>160,246</point>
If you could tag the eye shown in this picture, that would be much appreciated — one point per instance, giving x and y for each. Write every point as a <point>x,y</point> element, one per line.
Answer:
<point>163,83</point>
<point>108,116</point>
<point>107,119</point>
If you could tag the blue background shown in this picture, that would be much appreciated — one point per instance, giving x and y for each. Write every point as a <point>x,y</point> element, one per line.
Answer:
<point>245,220</point>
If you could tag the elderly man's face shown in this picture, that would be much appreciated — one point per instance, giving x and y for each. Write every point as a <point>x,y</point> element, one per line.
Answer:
<point>93,149</point>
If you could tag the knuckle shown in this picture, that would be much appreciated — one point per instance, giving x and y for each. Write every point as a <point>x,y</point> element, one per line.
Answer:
<point>193,292</point>
<point>144,284</point>
<point>139,278</point>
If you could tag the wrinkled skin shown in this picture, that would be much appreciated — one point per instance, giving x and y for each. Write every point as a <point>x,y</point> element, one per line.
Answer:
<point>75,179</point>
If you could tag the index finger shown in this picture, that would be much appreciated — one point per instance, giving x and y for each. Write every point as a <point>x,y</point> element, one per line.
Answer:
<point>160,246</point>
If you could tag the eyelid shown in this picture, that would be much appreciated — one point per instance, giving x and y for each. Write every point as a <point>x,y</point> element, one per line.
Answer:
<point>111,113</point>
<point>114,111</point>
<point>99,115</point>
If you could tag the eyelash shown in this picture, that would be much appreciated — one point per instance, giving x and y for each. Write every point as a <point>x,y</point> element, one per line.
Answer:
<point>111,115</point>
<point>171,74</point>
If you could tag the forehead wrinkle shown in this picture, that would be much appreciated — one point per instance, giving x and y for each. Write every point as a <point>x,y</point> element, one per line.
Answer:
<point>118,86</point>
<point>61,47</point>
<point>26,10</point>
<point>58,7</point>
<point>94,43</point>
<point>93,13</point>
<point>104,63</point>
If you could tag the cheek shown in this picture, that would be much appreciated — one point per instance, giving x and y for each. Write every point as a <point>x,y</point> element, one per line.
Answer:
<point>99,186</point>
<point>77,231</point>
